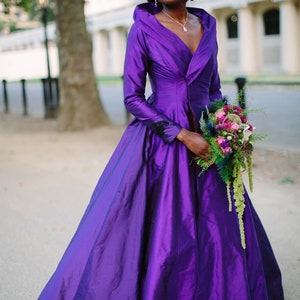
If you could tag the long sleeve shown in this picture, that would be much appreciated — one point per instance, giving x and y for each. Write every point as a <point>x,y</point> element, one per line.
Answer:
<point>215,85</point>
<point>135,71</point>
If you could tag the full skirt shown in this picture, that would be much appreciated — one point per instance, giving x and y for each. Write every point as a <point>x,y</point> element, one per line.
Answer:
<point>156,230</point>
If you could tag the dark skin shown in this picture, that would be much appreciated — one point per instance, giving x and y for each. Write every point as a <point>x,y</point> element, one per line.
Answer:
<point>177,10</point>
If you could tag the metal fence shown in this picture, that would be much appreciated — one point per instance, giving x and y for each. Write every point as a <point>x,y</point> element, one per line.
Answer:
<point>46,89</point>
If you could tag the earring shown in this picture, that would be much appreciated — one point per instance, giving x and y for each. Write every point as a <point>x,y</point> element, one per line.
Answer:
<point>155,3</point>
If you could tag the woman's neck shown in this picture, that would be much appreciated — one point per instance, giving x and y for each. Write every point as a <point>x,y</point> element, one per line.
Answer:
<point>177,12</point>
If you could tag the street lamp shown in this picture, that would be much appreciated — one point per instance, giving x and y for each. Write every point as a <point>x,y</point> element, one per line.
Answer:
<point>43,4</point>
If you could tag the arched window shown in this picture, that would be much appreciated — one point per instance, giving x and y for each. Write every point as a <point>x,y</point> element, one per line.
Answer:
<point>272,22</point>
<point>232,26</point>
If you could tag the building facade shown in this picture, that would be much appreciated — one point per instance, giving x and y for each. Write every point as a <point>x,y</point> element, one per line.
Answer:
<point>258,36</point>
<point>254,36</point>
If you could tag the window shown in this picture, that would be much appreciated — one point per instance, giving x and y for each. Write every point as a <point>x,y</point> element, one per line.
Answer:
<point>232,26</point>
<point>271,22</point>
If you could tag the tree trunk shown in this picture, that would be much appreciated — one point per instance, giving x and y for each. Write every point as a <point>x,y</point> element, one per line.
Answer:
<point>80,105</point>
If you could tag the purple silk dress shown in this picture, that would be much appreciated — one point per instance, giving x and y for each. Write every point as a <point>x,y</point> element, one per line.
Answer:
<point>154,229</point>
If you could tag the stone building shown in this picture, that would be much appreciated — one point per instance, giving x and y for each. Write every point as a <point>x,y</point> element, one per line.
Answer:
<point>258,36</point>
<point>255,37</point>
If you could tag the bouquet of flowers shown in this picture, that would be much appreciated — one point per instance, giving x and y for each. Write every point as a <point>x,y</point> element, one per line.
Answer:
<point>230,136</point>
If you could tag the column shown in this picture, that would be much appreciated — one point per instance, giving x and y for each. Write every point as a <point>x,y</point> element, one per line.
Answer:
<point>290,37</point>
<point>221,37</point>
<point>100,52</point>
<point>118,45</point>
<point>247,41</point>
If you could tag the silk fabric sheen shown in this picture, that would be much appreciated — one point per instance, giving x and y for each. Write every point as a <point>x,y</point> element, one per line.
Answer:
<point>154,229</point>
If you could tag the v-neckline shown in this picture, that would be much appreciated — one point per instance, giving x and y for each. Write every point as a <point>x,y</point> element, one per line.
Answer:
<point>178,37</point>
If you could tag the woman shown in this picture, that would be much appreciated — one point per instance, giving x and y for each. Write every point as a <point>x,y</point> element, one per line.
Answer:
<point>154,229</point>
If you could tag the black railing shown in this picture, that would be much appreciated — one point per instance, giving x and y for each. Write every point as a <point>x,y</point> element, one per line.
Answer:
<point>50,96</point>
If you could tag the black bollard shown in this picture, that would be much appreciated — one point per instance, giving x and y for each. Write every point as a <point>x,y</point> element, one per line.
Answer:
<point>241,82</point>
<point>6,109</point>
<point>57,92</point>
<point>55,95</point>
<point>24,96</point>
<point>50,106</point>
<point>45,98</point>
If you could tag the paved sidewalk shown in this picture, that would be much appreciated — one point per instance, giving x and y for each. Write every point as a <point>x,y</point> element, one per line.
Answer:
<point>46,180</point>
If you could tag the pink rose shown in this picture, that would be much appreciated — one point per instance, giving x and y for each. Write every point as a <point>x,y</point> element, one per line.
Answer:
<point>226,107</point>
<point>220,115</point>
<point>238,110</point>
<point>227,126</point>
<point>219,127</point>
<point>234,126</point>
<point>220,140</point>
<point>243,119</point>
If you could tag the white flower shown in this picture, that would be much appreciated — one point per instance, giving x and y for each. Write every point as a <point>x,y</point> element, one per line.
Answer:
<point>246,133</point>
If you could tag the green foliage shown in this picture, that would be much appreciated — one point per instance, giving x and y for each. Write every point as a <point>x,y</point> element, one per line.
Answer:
<point>25,4</point>
<point>215,105</point>
<point>12,26</point>
<point>31,7</point>
<point>2,25</point>
<point>286,180</point>
<point>8,24</point>
<point>259,137</point>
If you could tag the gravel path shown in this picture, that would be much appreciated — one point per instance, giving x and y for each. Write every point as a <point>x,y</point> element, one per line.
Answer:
<point>47,178</point>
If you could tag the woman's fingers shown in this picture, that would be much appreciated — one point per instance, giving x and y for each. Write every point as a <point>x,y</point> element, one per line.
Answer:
<point>194,142</point>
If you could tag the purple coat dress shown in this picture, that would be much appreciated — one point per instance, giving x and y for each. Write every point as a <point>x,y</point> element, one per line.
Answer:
<point>154,229</point>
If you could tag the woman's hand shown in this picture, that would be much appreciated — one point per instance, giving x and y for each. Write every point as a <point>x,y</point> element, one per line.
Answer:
<point>194,142</point>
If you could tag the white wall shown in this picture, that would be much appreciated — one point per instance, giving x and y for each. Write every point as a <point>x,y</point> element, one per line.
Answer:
<point>27,64</point>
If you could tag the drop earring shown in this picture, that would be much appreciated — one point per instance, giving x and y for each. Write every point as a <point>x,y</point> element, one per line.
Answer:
<point>155,3</point>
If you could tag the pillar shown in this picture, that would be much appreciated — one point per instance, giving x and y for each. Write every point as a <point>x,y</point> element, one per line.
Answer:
<point>221,37</point>
<point>247,41</point>
<point>290,37</point>
<point>118,46</point>
<point>100,52</point>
